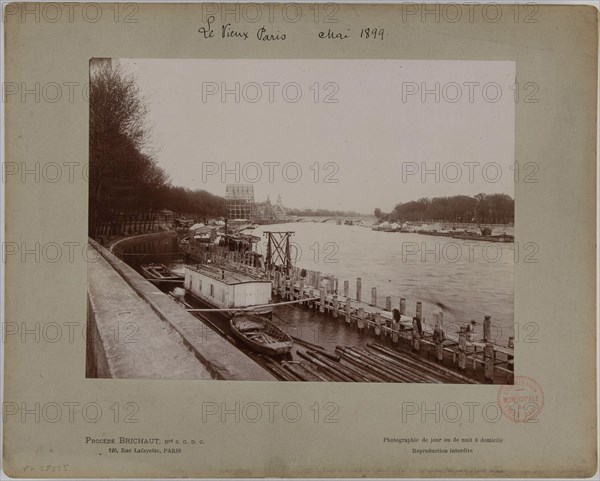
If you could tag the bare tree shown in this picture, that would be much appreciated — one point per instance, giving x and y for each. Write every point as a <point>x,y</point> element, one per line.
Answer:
<point>120,165</point>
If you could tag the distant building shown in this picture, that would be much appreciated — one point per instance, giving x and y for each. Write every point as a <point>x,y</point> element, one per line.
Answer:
<point>266,211</point>
<point>241,206</point>
<point>165,216</point>
<point>239,201</point>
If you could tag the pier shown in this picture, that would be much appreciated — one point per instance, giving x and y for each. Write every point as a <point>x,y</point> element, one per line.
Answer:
<point>463,356</point>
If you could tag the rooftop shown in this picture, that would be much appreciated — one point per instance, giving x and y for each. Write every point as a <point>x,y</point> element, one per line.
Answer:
<point>224,274</point>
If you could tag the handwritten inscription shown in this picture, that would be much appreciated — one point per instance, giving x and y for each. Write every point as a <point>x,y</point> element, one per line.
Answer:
<point>227,31</point>
<point>335,35</point>
<point>263,35</point>
<point>207,30</point>
<point>373,33</point>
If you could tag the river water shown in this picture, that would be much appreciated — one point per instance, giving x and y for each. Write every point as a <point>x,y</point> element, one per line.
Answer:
<point>464,279</point>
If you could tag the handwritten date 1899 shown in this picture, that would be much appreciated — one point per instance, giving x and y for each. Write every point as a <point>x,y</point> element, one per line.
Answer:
<point>373,33</point>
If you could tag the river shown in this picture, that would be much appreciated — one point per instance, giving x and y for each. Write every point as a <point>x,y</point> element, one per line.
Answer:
<point>465,279</point>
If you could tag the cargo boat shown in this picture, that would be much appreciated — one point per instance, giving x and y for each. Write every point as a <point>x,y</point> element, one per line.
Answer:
<point>160,272</point>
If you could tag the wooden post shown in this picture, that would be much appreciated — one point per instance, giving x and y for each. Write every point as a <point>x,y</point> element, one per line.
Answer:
<point>489,358</point>
<point>438,337</point>
<point>402,306</point>
<point>374,296</point>
<point>487,328</point>
<point>361,319</point>
<point>335,306</point>
<point>377,324</point>
<point>358,288</point>
<point>419,311</point>
<point>462,349</point>
<point>388,303</point>
<point>416,336</point>
<point>346,289</point>
<point>395,330</point>
<point>348,311</point>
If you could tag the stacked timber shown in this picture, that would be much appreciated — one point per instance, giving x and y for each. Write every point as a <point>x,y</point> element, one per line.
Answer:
<point>375,363</point>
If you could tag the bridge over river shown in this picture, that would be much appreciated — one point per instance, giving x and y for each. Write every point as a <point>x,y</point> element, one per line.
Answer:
<point>364,219</point>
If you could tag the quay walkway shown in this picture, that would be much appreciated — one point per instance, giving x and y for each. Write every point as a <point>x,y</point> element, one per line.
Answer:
<point>136,331</point>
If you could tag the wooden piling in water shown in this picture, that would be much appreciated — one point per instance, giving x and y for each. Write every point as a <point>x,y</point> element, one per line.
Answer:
<point>462,349</point>
<point>358,288</point>
<point>388,303</point>
<point>374,296</point>
<point>377,324</point>
<point>395,331</point>
<point>360,322</point>
<point>402,306</point>
<point>346,289</point>
<point>438,339</point>
<point>335,306</point>
<point>487,328</point>
<point>416,335</point>
<point>322,302</point>
<point>348,307</point>
<point>489,356</point>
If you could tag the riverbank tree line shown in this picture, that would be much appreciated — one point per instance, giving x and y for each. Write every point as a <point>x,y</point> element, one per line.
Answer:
<point>481,208</point>
<point>128,189</point>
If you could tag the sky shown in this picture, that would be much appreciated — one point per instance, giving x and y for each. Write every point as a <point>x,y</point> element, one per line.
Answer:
<point>333,134</point>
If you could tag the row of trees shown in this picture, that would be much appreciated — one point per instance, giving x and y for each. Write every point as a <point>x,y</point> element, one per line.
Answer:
<point>126,183</point>
<point>481,208</point>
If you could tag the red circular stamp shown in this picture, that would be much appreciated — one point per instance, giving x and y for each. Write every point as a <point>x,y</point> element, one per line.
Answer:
<point>523,401</point>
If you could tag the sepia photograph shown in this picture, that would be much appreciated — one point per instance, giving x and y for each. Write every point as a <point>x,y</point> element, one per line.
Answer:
<point>303,220</point>
<point>299,241</point>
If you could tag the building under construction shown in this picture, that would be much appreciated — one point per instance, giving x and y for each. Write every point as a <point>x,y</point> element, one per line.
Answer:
<point>239,200</point>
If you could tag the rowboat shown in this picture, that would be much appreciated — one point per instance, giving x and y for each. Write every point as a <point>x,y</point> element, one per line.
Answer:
<point>160,272</point>
<point>260,334</point>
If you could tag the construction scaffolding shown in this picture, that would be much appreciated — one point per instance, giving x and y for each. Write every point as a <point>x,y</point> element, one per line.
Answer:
<point>239,201</point>
<point>278,251</point>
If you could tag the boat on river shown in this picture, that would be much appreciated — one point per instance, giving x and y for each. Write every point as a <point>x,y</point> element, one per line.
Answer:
<point>160,272</point>
<point>260,334</point>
